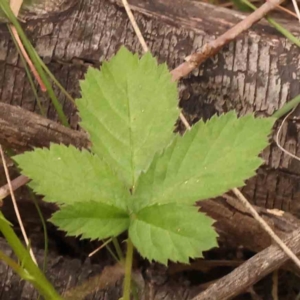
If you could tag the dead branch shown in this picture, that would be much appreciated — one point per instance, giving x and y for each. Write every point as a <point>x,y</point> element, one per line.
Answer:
<point>212,48</point>
<point>16,183</point>
<point>251,271</point>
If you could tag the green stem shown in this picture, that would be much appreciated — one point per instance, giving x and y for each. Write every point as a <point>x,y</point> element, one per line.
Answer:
<point>53,78</point>
<point>118,249</point>
<point>32,273</point>
<point>10,15</point>
<point>128,269</point>
<point>27,71</point>
<point>112,253</point>
<point>32,195</point>
<point>287,107</point>
<point>11,263</point>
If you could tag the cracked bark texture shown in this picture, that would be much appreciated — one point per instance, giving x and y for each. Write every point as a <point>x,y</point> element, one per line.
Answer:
<point>259,72</point>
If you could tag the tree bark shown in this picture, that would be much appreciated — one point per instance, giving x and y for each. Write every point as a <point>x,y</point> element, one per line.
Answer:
<point>23,130</point>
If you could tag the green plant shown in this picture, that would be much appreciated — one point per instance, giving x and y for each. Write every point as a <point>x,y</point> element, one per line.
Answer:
<point>26,268</point>
<point>139,176</point>
<point>41,68</point>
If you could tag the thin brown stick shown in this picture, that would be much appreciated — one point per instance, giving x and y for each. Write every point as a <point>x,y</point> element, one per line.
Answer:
<point>253,270</point>
<point>213,47</point>
<point>16,206</point>
<point>15,6</point>
<point>279,7</point>
<point>15,184</point>
<point>100,247</point>
<point>145,47</point>
<point>266,227</point>
<point>135,26</point>
<point>278,136</point>
<point>296,9</point>
<point>28,60</point>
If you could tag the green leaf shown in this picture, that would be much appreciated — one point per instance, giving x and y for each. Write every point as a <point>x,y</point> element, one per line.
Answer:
<point>207,161</point>
<point>172,231</point>
<point>129,109</point>
<point>91,220</point>
<point>67,175</point>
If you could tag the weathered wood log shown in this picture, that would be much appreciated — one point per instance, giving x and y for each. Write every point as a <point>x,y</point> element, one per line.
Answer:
<point>23,130</point>
<point>257,73</point>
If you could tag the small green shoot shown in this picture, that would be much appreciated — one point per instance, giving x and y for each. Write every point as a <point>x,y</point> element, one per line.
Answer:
<point>140,177</point>
<point>5,8</point>
<point>27,269</point>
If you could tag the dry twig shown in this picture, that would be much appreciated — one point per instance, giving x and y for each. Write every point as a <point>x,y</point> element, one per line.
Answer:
<point>266,227</point>
<point>253,270</point>
<point>213,47</point>
<point>15,205</point>
<point>15,6</point>
<point>296,9</point>
<point>278,136</point>
<point>16,183</point>
<point>145,47</point>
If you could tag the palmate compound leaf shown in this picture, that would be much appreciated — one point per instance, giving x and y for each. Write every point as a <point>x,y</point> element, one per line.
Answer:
<point>207,161</point>
<point>66,175</point>
<point>91,220</point>
<point>129,109</point>
<point>171,231</point>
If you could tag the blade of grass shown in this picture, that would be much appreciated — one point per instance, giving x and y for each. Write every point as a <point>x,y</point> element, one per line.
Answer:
<point>9,14</point>
<point>28,75</point>
<point>287,107</point>
<point>22,181</point>
<point>32,195</point>
<point>33,273</point>
<point>276,25</point>
<point>14,202</point>
<point>118,250</point>
<point>15,266</point>
<point>52,77</point>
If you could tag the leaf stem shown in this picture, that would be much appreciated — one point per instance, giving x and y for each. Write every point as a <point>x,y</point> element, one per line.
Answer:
<point>128,269</point>
<point>11,263</point>
<point>44,226</point>
<point>287,107</point>
<point>118,249</point>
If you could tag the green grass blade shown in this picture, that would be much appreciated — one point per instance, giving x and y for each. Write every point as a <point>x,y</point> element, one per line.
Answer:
<point>8,12</point>
<point>28,75</point>
<point>33,273</point>
<point>276,25</point>
<point>44,228</point>
<point>53,78</point>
